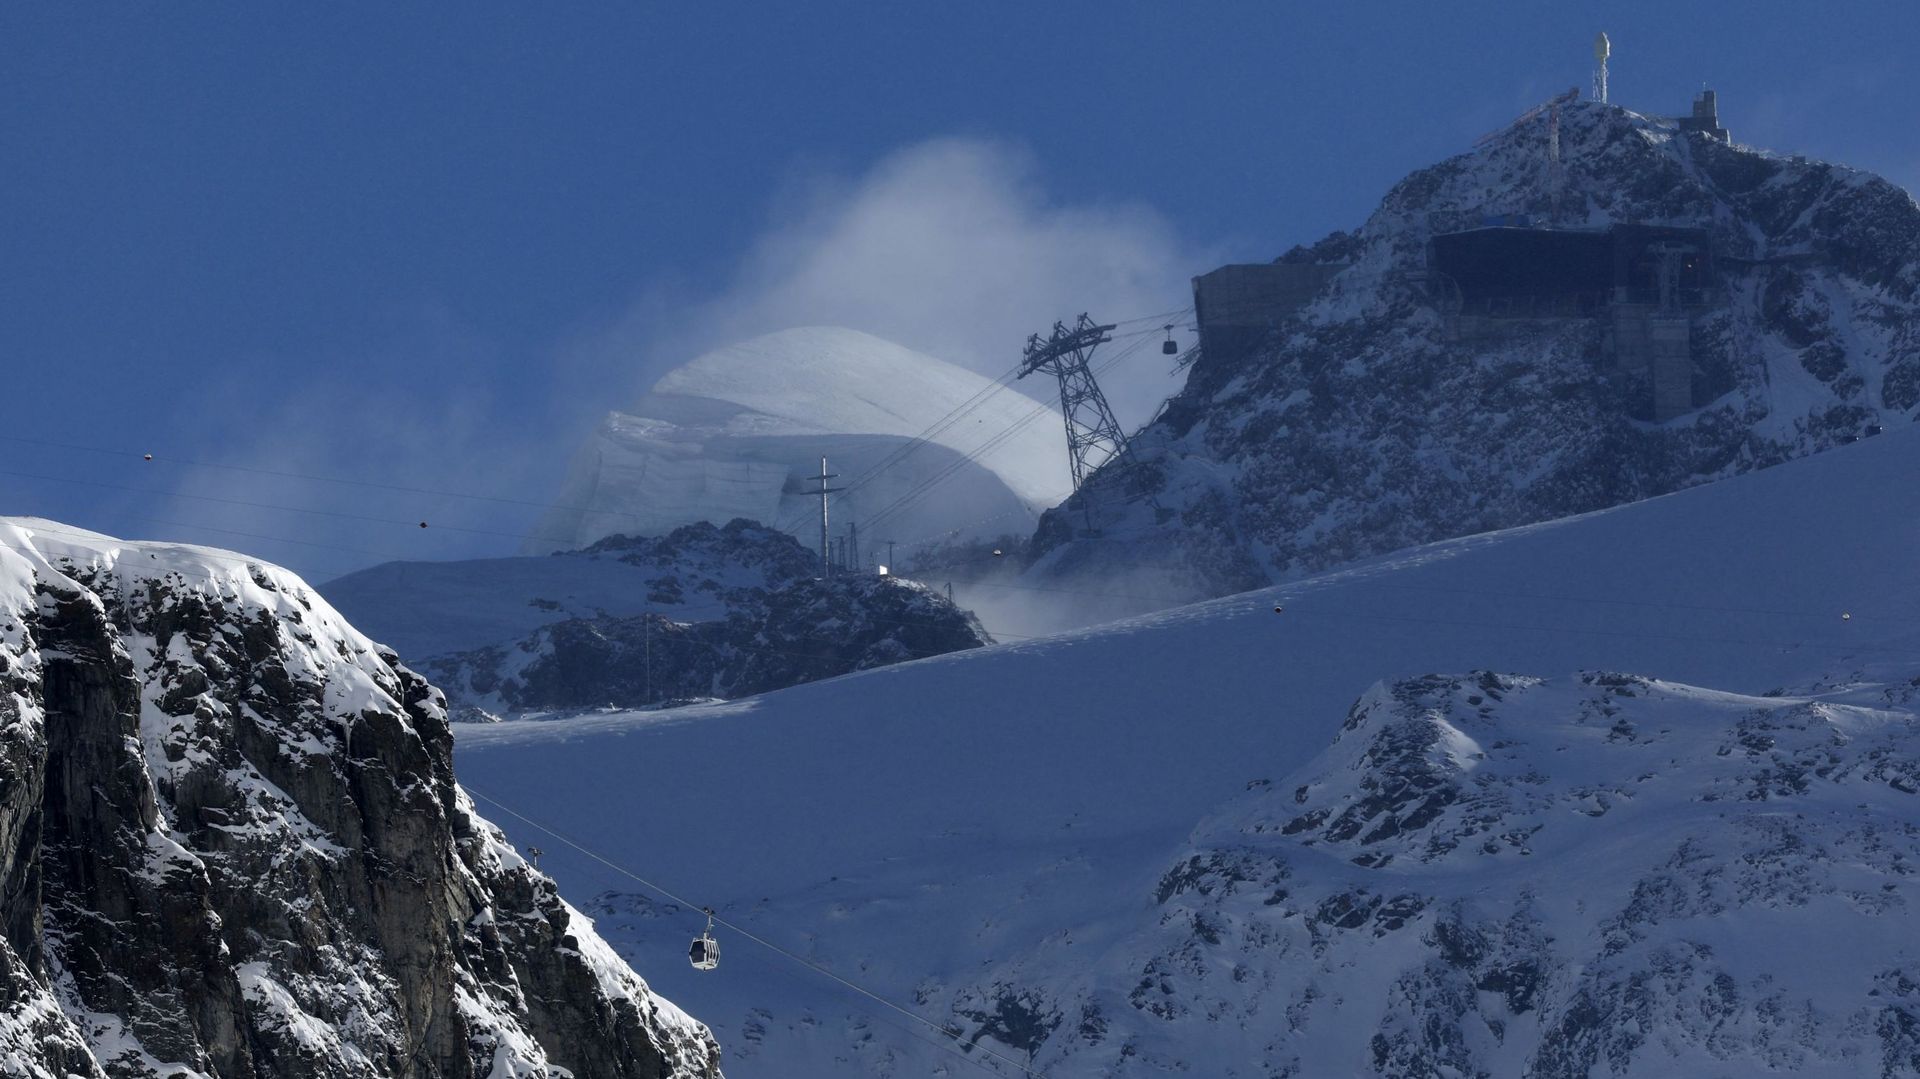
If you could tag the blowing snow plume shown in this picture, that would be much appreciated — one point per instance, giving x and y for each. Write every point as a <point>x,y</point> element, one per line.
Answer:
<point>739,431</point>
<point>951,247</point>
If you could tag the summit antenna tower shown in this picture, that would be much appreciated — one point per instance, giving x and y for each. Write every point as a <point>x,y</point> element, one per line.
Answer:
<point>1602,48</point>
<point>1093,435</point>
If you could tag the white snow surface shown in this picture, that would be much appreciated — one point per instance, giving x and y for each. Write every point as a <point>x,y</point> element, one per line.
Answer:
<point>735,433</point>
<point>990,827</point>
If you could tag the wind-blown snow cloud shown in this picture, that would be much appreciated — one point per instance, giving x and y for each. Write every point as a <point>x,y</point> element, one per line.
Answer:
<point>953,247</point>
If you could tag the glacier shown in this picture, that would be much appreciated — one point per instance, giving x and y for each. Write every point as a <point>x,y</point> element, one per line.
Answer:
<point>737,432</point>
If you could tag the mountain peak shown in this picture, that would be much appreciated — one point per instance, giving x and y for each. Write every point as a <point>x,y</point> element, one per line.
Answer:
<point>1509,338</point>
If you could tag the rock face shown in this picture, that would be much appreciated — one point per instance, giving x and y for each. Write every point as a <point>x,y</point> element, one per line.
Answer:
<point>233,845</point>
<point>1491,875</point>
<point>702,612</point>
<point>1368,424</point>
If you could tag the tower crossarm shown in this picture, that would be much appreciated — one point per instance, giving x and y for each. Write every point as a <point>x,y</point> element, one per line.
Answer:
<point>1093,435</point>
<point>1076,342</point>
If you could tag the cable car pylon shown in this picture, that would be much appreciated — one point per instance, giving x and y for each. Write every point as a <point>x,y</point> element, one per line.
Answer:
<point>1093,435</point>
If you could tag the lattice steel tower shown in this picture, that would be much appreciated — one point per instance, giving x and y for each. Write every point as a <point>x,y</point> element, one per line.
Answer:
<point>1093,435</point>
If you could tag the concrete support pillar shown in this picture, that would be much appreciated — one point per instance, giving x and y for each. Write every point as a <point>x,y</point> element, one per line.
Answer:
<point>1671,356</point>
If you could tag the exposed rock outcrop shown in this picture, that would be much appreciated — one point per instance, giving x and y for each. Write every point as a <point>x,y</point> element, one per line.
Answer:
<point>705,611</point>
<point>804,631</point>
<point>233,845</point>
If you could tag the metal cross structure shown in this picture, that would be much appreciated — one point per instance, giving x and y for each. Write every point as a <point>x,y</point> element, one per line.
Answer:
<point>1602,48</point>
<point>826,549</point>
<point>1093,435</point>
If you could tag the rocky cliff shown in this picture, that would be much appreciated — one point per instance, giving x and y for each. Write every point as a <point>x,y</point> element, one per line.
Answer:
<point>1370,423</point>
<point>231,845</point>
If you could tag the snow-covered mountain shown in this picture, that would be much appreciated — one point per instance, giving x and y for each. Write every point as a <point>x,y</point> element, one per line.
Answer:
<point>739,431</point>
<point>700,612</point>
<point>232,845</point>
<point>1177,844</point>
<point>1379,418</point>
<point>1498,875</point>
<point>696,571</point>
<point>801,632</point>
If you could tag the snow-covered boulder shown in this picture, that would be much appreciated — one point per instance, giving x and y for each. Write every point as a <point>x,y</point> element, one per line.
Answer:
<point>738,431</point>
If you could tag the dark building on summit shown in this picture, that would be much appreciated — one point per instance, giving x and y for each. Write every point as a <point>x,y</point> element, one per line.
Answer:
<point>1517,271</point>
<point>1491,274</point>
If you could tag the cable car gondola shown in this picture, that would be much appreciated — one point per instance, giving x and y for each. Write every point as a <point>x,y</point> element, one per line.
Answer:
<point>704,954</point>
<point>1167,347</point>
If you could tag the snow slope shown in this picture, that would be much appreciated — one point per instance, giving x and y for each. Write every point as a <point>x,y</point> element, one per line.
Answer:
<point>736,432</point>
<point>985,834</point>
<point>1507,876</point>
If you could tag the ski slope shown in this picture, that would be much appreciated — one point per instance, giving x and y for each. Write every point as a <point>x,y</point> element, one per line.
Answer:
<point>913,827</point>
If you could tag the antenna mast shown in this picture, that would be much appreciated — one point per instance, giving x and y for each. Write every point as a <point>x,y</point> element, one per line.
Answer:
<point>826,548</point>
<point>1093,435</point>
<point>1602,48</point>
<point>1556,176</point>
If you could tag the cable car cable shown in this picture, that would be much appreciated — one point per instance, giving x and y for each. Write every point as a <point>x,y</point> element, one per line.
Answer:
<point>1041,409</point>
<point>945,1032</point>
<point>964,409</point>
<point>594,872</point>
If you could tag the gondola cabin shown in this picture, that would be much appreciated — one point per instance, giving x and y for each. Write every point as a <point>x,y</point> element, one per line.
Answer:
<point>704,953</point>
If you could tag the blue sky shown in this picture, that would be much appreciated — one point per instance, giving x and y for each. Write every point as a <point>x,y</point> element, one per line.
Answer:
<point>428,245</point>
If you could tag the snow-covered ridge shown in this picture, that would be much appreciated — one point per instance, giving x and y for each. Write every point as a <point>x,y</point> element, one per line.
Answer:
<point>232,845</point>
<point>698,571</point>
<point>1597,874</point>
<point>802,632</point>
<point>636,621</point>
<point>1453,771</point>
